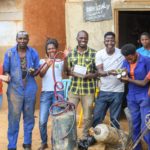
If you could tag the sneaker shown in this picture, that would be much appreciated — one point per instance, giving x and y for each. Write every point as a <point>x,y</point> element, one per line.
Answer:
<point>27,146</point>
<point>43,146</point>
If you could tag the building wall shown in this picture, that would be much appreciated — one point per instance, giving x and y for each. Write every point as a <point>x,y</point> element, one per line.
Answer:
<point>11,21</point>
<point>55,18</point>
<point>75,23</point>
<point>42,19</point>
<point>96,30</point>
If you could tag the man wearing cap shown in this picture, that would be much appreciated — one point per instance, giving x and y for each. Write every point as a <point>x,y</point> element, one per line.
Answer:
<point>20,63</point>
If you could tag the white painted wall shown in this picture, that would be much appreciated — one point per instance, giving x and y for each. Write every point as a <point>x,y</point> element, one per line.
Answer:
<point>8,30</point>
<point>96,30</point>
<point>11,21</point>
<point>75,23</point>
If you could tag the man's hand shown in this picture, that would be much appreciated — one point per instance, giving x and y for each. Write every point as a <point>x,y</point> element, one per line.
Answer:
<point>77,75</point>
<point>87,76</point>
<point>67,52</point>
<point>31,71</point>
<point>126,78</point>
<point>49,62</point>
<point>112,72</point>
<point>91,75</point>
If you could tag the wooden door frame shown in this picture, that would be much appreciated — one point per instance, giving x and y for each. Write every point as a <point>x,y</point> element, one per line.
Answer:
<point>116,19</point>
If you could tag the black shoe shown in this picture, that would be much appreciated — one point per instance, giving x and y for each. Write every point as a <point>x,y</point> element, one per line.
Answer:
<point>91,140</point>
<point>85,143</point>
<point>43,146</point>
<point>27,146</point>
<point>82,144</point>
<point>12,149</point>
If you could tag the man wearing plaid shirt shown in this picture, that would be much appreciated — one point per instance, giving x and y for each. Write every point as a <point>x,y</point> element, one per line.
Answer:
<point>83,85</point>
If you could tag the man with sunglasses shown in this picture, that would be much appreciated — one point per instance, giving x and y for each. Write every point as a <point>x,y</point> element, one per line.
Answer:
<point>20,63</point>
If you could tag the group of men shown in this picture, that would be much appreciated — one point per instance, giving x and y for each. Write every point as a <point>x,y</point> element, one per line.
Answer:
<point>21,62</point>
<point>101,64</point>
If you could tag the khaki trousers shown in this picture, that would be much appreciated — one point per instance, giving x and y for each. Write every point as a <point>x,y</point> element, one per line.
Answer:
<point>87,106</point>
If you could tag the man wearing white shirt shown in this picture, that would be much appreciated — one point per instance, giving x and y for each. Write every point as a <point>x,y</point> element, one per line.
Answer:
<point>108,60</point>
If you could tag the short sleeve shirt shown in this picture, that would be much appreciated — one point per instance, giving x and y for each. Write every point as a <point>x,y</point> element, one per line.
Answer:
<point>143,51</point>
<point>79,85</point>
<point>110,62</point>
<point>48,78</point>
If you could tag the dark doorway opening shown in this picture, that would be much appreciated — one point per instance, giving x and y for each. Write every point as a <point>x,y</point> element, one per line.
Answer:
<point>131,25</point>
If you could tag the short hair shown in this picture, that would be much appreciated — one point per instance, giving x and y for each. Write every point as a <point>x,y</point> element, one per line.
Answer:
<point>109,33</point>
<point>145,34</point>
<point>22,33</point>
<point>84,32</point>
<point>128,49</point>
<point>51,41</point>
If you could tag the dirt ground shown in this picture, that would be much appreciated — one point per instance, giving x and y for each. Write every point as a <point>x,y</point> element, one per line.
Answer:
<point>36,137</point>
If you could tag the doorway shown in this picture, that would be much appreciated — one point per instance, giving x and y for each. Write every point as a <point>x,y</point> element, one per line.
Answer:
<point>130,25</point>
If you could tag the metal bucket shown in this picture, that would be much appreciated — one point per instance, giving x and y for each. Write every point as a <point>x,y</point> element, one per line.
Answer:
<point>64,132</point>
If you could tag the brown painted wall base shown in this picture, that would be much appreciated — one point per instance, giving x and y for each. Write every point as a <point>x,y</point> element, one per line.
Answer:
<point>42,19</point>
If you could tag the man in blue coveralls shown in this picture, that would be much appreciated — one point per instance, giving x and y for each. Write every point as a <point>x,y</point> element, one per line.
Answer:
<point>138,100</point>
<point>20,63</point>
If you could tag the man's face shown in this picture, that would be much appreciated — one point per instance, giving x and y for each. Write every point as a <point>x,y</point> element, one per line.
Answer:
<point>82,39</point>
<point>145,40</point>
<point>131,58</point>
<point>22,40</point>
<point>109,42</point>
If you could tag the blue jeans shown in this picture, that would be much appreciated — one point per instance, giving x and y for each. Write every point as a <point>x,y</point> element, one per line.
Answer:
<point>46,100</point>
<point>105,101</point>
<point>16,105</point>
<point>0,101</point>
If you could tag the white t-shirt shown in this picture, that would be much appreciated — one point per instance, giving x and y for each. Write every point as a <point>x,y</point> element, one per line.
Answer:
<point>48,80</point>
<point>110,62</point>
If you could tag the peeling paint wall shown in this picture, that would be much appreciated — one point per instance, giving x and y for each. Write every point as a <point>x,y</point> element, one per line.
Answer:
<point>42,19</point>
